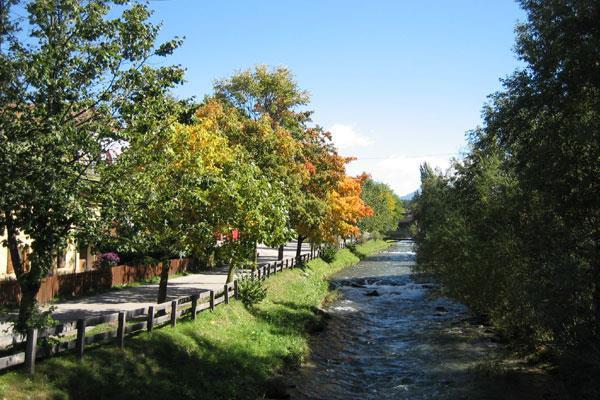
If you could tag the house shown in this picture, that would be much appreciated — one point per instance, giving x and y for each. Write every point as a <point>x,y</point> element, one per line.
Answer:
<point>72,259</point>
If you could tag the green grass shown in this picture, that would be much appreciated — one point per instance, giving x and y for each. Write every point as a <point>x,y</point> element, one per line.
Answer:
<point>226,354</point>
<point>371,247</point>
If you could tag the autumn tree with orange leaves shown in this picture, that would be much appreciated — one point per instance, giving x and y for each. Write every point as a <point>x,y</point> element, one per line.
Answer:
<point>345,209</point>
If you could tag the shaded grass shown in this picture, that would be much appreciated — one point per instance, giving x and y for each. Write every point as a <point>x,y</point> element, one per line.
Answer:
<point>226,354</point>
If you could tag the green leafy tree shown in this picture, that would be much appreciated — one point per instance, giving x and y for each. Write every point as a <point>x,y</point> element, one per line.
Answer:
<point>75,83</point>
<point>299,157</point>
<point>174,195</point>
<point>386,205</point>
<point>514,230</point>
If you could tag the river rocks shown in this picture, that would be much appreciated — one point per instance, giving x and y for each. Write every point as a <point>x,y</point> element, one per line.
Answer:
<point>357,285</point>
<point>406,381</point>
<point>441,309</point>
<point>372,293</point>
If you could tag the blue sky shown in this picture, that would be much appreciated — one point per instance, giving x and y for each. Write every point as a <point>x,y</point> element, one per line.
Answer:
<point>398,82</point>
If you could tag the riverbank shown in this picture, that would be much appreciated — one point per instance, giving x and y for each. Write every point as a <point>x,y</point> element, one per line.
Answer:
<point>228,354</point>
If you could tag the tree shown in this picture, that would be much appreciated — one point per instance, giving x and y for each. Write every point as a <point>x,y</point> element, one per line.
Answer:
<point>513,230</point>
<point>346,209</point>
<point>387,207</point>
<point>301,158</point>
<point>175,194</point>
<point>74,87</point>
<point>260,91</point>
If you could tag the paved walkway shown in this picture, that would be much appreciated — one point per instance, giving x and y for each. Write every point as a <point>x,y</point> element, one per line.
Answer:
<point>145,295</point>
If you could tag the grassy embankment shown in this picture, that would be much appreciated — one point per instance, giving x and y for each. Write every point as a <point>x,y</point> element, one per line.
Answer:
<point>226,354</point>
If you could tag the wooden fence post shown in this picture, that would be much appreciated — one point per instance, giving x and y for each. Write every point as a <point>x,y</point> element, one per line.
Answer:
<point>150,323</point>
<point>258,270</point>
<point>174,313</point>
<point>212,300</point>
<point>236,293</point>
<point>31,350</point>
<point>287,262</point>
<point>121,330</point>
<point>80,343</point>
<point>226,294</point>
<point>194,305</point>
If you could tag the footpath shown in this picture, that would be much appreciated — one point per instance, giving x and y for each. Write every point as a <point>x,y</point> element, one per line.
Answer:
<point>145,295</point>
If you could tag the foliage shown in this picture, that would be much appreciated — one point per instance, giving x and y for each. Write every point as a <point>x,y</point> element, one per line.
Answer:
<point>346,208</point>
<point>190,185</point>
<point>513,229</point>
<point>75,80</point>
<point>251,291</point>
<point>275,129</point>
<point>328,253</point>
<point>386,205</point>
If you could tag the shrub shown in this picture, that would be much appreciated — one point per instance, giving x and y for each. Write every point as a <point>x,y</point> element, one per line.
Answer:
<point>376,235</point>
<point>328,253</point>
<point>251,291</point>
<point>108,260</point>
<point>352,247</point>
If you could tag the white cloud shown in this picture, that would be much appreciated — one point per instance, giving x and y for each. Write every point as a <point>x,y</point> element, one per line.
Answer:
<point>345,136</point>
<point>400,172</point>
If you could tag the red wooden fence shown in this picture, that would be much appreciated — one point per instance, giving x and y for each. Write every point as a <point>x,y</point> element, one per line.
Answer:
<point>82,283</point>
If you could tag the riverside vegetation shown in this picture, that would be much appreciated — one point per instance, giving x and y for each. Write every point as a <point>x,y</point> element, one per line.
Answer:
<point>226,354</point>
<point>513,229</point>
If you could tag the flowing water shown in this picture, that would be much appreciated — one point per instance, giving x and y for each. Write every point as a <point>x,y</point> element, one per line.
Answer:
<point>391,337</point>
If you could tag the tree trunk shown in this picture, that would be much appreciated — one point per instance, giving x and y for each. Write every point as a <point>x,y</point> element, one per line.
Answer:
<point>596,274</point>
<point>280,252</point>
<point>230,271</point>
<point>164,280</point>
<point>29,284</point>
<point>27,305</point>
<point>299,248</point>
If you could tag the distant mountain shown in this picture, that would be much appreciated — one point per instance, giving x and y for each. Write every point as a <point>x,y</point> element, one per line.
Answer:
<point>409,196</point>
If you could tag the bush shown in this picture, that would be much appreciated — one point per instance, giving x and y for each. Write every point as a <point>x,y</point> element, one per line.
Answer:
<point>376,235</point>
<point>352,247</point>
<point>328,253</point>
<point>251,291</point>
<point>109,260</point>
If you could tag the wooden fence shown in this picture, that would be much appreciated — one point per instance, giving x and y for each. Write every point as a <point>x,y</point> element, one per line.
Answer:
<point>75,335</point>
<point>82,283</point>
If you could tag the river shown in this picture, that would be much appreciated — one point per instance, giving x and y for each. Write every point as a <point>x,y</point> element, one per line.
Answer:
<point>391,337</point>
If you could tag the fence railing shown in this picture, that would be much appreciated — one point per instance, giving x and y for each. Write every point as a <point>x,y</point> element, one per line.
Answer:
<point>115,327</point>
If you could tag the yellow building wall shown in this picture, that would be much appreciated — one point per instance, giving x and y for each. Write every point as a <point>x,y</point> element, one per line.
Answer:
<point>72,260</point>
